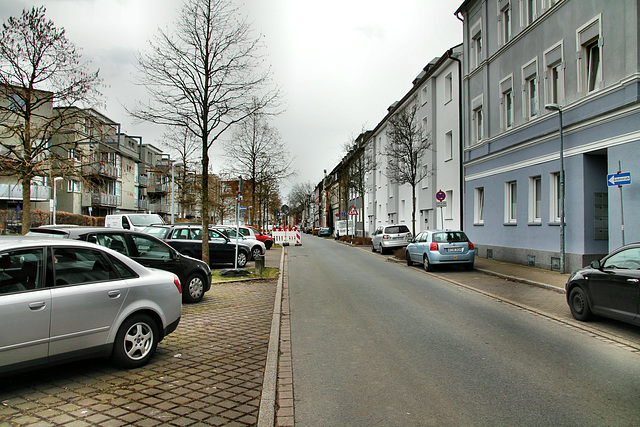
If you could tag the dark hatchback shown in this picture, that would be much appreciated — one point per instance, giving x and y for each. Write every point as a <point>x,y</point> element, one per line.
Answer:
<point>194,275</point>
<point>187,239</point>
<point>609,287</point>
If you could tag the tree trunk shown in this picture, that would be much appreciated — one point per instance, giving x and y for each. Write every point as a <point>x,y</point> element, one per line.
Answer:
<point>26,205</point>
<point>205,201</point>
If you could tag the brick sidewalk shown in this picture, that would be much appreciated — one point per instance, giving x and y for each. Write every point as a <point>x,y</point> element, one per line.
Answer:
<point>208,372</point>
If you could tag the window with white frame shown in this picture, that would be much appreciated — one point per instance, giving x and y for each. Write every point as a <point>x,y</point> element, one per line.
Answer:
<point>589,52</point>
<point>476,44</point>
<point>478,126</point>
<point>530,89</point>
<point>425,174</point>
<point>510,202</point>
<point>535,199</point>
<point>506,103</point>
<point>554,75</point>
<point>504,18</point>
<point>448,210</point>
<point>528,12</point>
<point>478,205</point>
<point>554,200</point>
<point>73,186</point>
<point>448,145</point>
<point>448,88</point>
<point>425,128</point>
<point>424,96</point>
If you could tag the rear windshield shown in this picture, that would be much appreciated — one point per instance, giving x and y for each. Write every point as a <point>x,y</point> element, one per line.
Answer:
<point>158,232</point>
<point>450,236</point>
<point>396,229</point>
<point>144,220</point>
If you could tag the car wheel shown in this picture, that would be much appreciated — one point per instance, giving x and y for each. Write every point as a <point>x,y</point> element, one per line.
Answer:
<point>194,289</point>
<point>256,252</point>
<point>578,304</point>
<point>468,267</point>
<point>135,342</point>
<point>426,264</point>
<point>373,247</point>
<point>382,251</point>
<point>242,259</point>
<point>268,244</point>
<point>409,262</point>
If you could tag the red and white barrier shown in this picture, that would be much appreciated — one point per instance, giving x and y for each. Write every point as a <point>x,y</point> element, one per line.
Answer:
<point>286,236</point>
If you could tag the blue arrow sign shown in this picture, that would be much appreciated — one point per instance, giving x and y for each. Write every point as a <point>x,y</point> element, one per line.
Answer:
<point>622,178</point>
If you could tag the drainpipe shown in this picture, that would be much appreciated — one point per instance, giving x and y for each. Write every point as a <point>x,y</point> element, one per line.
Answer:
<point>450,54</point>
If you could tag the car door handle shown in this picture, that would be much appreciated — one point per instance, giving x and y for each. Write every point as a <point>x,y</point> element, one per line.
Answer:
<point>114,294</point>
<point>633,280</point>
<point>35,306</point>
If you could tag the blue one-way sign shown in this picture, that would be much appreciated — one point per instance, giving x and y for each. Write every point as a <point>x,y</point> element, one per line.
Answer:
<point>622,178</point>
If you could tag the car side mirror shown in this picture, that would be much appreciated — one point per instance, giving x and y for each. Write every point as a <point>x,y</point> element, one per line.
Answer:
<point>596,265</point>
<point>410,240</point>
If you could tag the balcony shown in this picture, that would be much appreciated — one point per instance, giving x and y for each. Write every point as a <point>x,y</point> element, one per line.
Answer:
<point>159,188</point>
<point>143,181</point>
<point>14,192</point>
<point>100,199</point>
<point>142,205</point>
<point>159,207</point>
<point>102,169</point>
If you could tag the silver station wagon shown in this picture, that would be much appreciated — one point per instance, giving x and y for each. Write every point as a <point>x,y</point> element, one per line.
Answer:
<point>438,247</point>
<point>62,300</point>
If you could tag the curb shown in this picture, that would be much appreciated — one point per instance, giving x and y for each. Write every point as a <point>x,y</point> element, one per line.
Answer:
<point>521,280</point>
<point>267,410</point>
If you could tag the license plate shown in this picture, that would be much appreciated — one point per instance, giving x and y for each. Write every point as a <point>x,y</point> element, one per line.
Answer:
<point>454,249</point>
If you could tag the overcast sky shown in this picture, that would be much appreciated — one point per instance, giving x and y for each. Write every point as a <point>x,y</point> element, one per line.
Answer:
<point>340,63</point>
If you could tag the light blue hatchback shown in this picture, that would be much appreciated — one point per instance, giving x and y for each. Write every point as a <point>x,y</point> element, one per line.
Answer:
<point>437,247</point>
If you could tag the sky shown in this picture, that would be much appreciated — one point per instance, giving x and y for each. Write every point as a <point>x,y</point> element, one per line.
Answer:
<point>339,63</point>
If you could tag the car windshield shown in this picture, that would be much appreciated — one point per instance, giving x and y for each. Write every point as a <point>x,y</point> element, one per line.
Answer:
<point>450,236</point>
<point>158,232</point>
<point>397,229</point>
<point>144,220</point>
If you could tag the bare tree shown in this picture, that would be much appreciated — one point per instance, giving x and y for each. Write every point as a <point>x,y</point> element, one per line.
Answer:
<point>185,144</point>
<point>40,69</point>
<point>300,198</point>
<point>206,75</point>
<point>360,160</point>
<point>258,154</point>
<point>407,143</point>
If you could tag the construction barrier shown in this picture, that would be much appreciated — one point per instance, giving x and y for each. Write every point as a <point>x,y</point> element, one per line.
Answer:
<point>286,236</point>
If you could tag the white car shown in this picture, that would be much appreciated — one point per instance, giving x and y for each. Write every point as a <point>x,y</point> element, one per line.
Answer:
<point>393,236</point>
<point>63,299</point>
<point>246,235</point>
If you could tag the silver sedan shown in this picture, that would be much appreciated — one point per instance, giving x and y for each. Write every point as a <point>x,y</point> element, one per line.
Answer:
<point>62,300</point>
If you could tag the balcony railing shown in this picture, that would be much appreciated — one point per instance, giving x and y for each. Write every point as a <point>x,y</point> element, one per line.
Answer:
<point>158,188</point>
<point>143,180</point>
<point>104,169</point>
<point>14,192</point>
<point>100,199</point>
<point>159,207</point>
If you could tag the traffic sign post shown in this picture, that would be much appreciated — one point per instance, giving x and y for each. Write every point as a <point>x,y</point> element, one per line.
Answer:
<point>441,203</point>
<point>620,179</point>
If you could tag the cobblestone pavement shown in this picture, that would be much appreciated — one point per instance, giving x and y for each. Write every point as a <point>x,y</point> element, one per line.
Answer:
<point>208,372</point>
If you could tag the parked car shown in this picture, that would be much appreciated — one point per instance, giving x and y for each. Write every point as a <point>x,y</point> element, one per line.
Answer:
<point>387,237</point>
<point>134,222</point>
<point>64,299</point>
<point>324,231</point>
<point>252,233</point>
<point>439,247</point>
<point>256,248</point>
<point>194,275</point>
<point>608,288</point>
<point>187,239</point>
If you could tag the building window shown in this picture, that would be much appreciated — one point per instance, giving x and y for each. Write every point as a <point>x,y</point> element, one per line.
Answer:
<point>478,206</point>
<point>478,126</point>
<point>477,49</point>
<point>590,56</point>
<point>532,97</point>
<point>448,88</point>
<point>510,202</point>
<point>425,128</point>
<point>527,12</point>
<point>448,210</point>
<point>505,23</point>
<point>507,109</point>
<point>73,186</point>
<point>554,74</point>
<point>554,211</point>
<point>448,145</point>
<point>535,199</point>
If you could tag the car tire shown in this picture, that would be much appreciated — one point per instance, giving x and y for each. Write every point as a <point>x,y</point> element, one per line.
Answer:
<point>468,267</point>
<point>373,247</point>
<point>382,251</point>
<point>409,262</point>
<point>426,264</point>
<point>135,342</point>
<point>242,259</point>
<point>256,252</point>
<point>579,305</point>
<point>268,244</point>
<point>193,290</point>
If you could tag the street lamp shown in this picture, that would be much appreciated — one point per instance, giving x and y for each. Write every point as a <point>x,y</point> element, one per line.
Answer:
<point>173,190</point>
<point>556,107</point>
<point>55,198</point>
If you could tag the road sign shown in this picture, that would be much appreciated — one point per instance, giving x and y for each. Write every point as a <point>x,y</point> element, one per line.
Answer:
<point>442,204</point>
<point>622,178</point>
<point>353,210</point>
<point>440,195</point>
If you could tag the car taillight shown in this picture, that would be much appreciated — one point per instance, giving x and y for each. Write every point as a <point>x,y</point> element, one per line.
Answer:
<point>176,281</point>
<point>433,247</point>
<point>386,236</point>
<point>471,247</point>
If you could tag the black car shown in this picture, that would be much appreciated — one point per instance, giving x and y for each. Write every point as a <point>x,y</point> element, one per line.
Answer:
<point>149,251</point>
<point>609,287</point>
<point>187,239</point>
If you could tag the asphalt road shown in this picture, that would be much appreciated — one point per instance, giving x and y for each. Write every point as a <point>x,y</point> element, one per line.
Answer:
<point>377,343</point>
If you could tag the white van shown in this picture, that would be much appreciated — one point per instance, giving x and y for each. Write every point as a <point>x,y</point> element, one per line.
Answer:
<point>135,222</point>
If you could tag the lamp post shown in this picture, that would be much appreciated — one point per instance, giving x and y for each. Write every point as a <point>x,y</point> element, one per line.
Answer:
<point>556,107</point>
<point>173,190</point>
<point>55,198</point>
